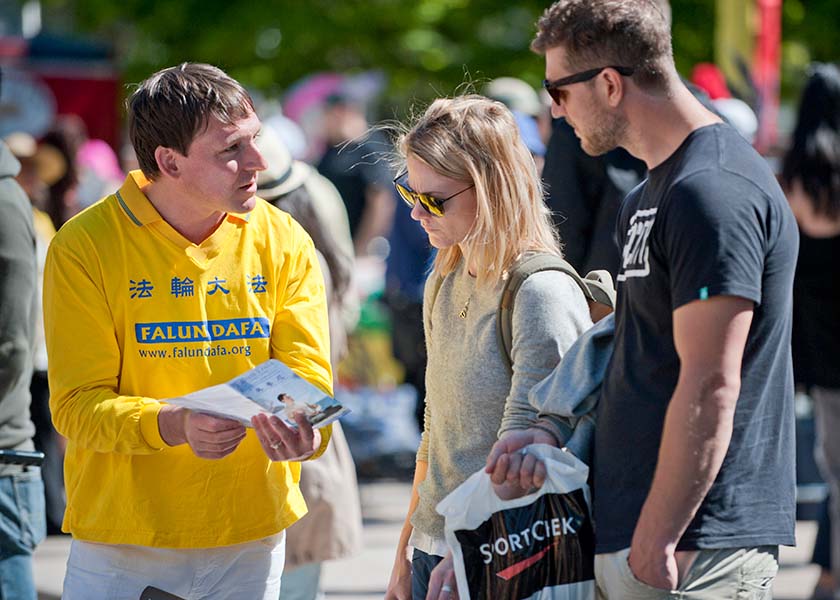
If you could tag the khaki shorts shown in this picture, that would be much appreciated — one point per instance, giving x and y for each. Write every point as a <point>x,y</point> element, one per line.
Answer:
<point>740,573</point>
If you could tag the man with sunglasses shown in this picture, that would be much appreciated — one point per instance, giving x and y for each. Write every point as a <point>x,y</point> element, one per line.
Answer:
<point>694,476</point>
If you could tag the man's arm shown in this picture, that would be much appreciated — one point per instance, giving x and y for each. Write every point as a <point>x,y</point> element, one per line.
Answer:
<point>709,337</point>
<point>85,360</point>
<point>18,273</point>
<point>377,217</point>
<point>300,338</point>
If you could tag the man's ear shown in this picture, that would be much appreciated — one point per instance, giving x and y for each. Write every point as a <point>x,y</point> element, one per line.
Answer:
<point>167,161</point>
<point>615,86</point>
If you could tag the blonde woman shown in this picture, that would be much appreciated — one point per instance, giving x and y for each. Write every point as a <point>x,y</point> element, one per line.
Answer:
<point>475,190</point>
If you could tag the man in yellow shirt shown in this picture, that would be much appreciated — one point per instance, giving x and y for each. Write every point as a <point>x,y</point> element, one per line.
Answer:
<point>181,280</point>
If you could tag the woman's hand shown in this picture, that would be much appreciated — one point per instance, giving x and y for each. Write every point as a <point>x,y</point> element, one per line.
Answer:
<point>399,587</point>
<point>442,584</point>
<point>515,474</point>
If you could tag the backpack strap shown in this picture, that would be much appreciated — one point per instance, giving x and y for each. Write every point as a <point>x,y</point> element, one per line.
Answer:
<point>597,288</point>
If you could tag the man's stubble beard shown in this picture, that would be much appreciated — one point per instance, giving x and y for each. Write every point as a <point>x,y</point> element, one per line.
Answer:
<point>608,133</point>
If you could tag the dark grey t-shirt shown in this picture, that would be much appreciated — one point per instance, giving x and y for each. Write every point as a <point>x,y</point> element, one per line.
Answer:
<point>711,220</point>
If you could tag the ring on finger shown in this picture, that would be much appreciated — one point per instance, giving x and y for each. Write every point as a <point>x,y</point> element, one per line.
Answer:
<point>446,589</point>
<point>276,445</point>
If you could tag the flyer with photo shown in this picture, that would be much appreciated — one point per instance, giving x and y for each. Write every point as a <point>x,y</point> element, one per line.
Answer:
<point>271,388</point>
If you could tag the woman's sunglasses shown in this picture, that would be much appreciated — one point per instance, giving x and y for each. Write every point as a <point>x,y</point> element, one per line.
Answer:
<point>430,203</point>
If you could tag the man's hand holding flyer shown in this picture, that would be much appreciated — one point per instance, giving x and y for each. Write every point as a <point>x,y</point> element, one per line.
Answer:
<point>271,388</point>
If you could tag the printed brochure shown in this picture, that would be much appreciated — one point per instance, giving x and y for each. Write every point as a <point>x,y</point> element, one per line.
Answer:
<point>270,387</point>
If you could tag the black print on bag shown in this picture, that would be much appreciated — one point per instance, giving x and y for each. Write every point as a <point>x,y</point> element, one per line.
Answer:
<point>520,551</point>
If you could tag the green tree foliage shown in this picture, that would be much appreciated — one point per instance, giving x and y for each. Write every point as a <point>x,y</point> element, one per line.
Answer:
<point>424,47</point>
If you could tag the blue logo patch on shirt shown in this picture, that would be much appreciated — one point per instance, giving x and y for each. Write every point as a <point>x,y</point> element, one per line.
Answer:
<point>202,331</point>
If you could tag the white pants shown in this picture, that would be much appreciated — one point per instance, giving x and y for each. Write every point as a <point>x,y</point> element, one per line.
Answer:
<point>121,572</point>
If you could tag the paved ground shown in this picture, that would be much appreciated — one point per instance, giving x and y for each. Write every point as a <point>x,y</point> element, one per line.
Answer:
<point>364,577</point>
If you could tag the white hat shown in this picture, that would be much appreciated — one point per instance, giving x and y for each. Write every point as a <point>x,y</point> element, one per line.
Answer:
<point>283,173</point>
<point>516,94</point>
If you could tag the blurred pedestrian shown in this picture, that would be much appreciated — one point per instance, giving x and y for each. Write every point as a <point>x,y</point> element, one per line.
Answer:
<point>355,162</point>
<point>66,136</point>
<point>406,269</point>
<point>332,527</point>
<point>811,179</point>
<point>22,518</point>
<point>40,167</point>
<point>183,256</point>
<point>474,188</point>
<point>694,478</point>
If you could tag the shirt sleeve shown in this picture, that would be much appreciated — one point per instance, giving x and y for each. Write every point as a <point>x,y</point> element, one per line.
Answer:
<point>300,332</point>
<point>714,237</point>
<point>84,363</point>
<point>549,314</point>
<point>18,273</point>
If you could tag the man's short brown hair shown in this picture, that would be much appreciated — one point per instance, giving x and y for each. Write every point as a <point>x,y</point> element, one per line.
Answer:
<point>598,33</point>
<point>174,105</point>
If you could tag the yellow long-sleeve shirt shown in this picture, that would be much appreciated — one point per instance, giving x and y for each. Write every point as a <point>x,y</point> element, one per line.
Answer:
<point>136,313</point>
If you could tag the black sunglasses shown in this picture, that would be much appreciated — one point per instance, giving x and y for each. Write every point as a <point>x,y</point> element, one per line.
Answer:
<point>553,87</point>
<point>430,203</point>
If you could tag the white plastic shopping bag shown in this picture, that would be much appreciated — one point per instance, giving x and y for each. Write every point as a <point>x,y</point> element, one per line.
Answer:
<point>537,547</point>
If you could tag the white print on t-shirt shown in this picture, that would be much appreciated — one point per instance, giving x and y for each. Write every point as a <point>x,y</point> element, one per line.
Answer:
<point>635,261</point>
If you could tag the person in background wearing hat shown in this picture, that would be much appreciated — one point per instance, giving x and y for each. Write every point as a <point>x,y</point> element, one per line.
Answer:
<point>41,165</point>
<point>530,134</point>
<point>356,163</point>
<point>520,97</point>
<point>332,528</point>
<point>22,523</point>
<point>181,280</point>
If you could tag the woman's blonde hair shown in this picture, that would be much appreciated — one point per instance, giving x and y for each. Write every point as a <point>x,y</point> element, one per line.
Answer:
<point>475,140</point>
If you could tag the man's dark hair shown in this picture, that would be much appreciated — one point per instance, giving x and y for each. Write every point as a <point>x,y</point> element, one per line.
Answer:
<point>813,158</point>
<point>599,33</point>
<point>174,105</point>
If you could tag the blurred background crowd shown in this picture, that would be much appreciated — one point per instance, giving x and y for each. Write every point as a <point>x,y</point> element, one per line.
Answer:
<point>329,78</point>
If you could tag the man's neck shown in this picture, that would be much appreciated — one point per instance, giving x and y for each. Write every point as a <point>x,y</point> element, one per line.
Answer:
<point>193,225</point>
<point>659,124</point>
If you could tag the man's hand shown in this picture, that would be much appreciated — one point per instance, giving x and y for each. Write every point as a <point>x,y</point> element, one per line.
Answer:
<point>208,436</point>
<point>514,474</point>
<point>282,442</point>
<point>442,581</point>
<point>659,565</point>
<point>653,564</point>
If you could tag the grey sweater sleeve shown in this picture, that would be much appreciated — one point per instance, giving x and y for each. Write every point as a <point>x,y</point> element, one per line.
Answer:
<point>18,285</point>
<point>549,314</point>
<point>430,291</point>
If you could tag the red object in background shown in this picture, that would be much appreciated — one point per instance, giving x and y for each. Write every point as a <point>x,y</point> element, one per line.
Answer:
<point>93,98</point>
<point>766,69</point>
<point>709,78</point>
<point>81,75</point>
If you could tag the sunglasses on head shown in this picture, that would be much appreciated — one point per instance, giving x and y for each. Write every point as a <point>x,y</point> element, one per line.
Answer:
<point>554,87</point>
<point>430,203</point>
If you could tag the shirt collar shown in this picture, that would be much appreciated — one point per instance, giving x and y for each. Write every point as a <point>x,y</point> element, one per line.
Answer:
<point>140,210</point>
